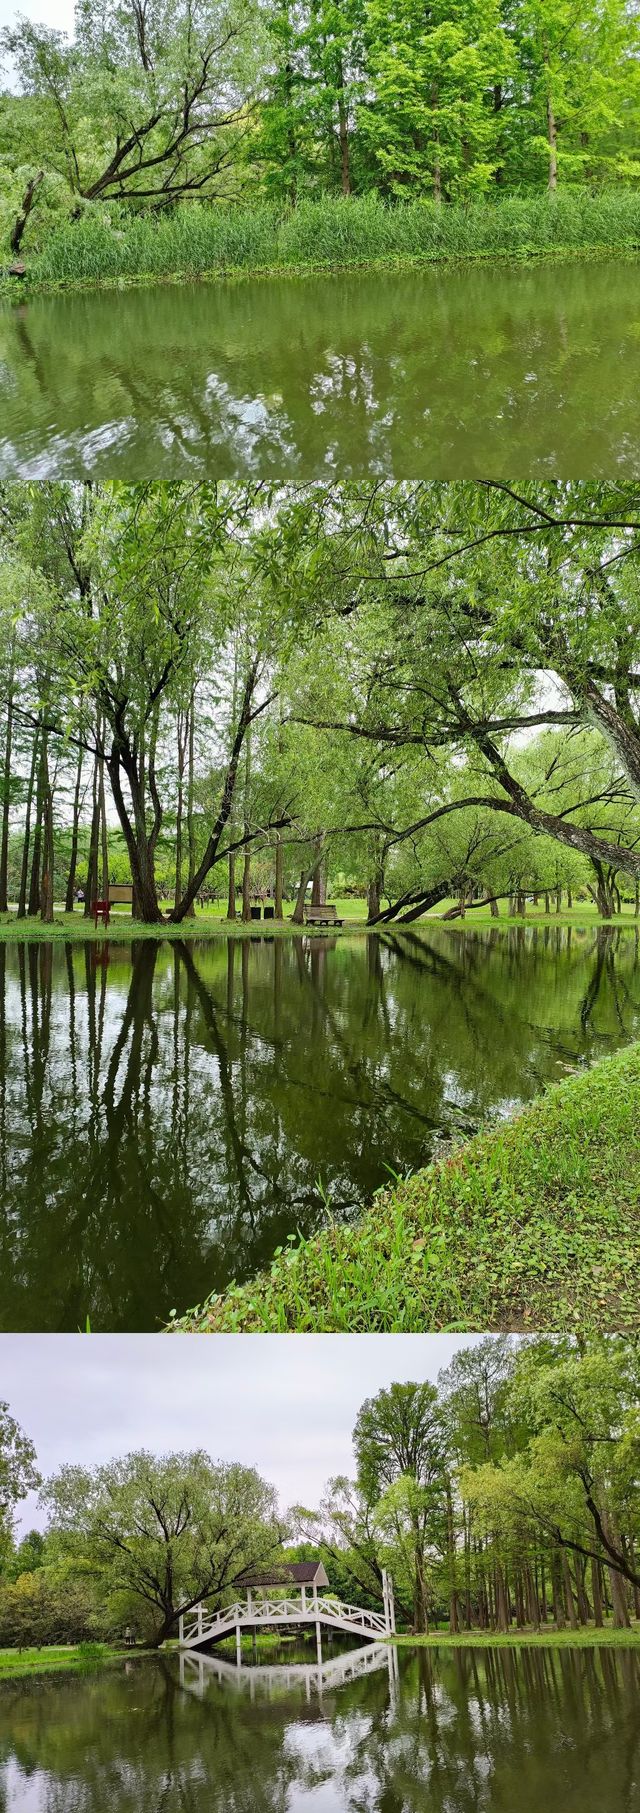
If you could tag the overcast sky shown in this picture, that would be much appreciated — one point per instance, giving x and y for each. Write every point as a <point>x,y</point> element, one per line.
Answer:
<point>58,13</point>
<point>283,1403</point>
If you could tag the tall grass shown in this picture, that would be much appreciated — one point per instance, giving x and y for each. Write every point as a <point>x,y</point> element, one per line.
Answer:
<point>200,238</point>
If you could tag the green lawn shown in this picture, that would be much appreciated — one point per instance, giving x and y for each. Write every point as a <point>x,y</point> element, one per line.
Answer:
<point>534,1224</point>
<point>588,1638</point>
<point>17,1662</point>
<point>212,922</point>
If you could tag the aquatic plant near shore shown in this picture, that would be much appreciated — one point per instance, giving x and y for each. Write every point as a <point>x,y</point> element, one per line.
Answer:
<point>202,239</point>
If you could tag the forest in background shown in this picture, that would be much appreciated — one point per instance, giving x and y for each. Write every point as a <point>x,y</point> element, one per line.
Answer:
<point>277,103</point>
<point>503,1498</point>
<point>418,693</point>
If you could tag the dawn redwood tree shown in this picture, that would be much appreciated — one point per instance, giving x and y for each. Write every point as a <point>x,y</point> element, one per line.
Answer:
<point>168,1530</point>
<point>401,1460</point>
<point>431,72</point>
<point>527,1508</point>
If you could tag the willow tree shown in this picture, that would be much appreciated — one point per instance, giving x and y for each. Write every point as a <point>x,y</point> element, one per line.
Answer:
<point>140,612</point>
<point>464,618</point>
<point>167,1530</point>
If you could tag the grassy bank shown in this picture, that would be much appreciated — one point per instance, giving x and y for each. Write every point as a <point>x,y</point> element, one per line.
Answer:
<point>533,1224</point>
<point>589,1638</point>
<point>208,239</point>
<point>14,1663</point>
<point>213,923</point>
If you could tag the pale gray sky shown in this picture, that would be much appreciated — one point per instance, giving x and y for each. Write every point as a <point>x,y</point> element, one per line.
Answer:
<point>283,1403</point>
<point>56,13</point>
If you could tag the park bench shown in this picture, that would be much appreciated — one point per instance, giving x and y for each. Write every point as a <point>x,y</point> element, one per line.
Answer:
<point>322,915</point>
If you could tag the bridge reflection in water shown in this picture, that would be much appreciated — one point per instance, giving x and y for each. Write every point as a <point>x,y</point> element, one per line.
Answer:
<point>198,1670</point>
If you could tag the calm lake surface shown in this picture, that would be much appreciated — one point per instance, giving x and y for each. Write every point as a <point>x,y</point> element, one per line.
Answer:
<point>438,373</point>
<point>170,1112</point>
<point>467,1731</point>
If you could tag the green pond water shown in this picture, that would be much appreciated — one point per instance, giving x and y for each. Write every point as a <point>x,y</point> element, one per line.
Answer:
<point>171,1112</point>
<point>466,1731</point>
<point>444,373</point>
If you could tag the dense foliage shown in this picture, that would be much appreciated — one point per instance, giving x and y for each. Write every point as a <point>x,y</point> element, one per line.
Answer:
<point>283,99</point>
<point>415,692</point>
<point>506,1496</point>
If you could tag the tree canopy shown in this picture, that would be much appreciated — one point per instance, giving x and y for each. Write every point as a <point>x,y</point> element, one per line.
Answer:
<point>150,103</point>
<point>502,1496</point>
<point>430,690</point>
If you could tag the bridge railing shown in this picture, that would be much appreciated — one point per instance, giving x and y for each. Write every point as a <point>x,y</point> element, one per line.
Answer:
<point>201,1622</point>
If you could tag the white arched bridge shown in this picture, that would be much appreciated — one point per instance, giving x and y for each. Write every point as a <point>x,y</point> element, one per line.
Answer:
<point>260,1609</point>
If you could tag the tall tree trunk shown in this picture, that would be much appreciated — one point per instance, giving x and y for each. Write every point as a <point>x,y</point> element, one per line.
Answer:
<point>191,821</point>
<point>375,888</point>
<point>319,883</point>
<point>182,735</point>
<point>22,896</point>
<point>552,136</point>
<point>278,879</point>
<point>246,865</point>
<point>75,830</point>
<point>104,833</point>
<point>343,133</point>
<point>6,792</point>
<point>503,1616</point>
<point>297,916</point>
<point>46,890</point>
<point>91,890</point>
<point>35,881</point>
<point>231,894</point>
<point>596,1592</point>
<point>568,1590</point>
<point>307,875</point>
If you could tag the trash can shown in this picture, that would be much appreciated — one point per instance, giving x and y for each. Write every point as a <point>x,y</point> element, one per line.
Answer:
<point>255,912</point>
<point>269,912</point>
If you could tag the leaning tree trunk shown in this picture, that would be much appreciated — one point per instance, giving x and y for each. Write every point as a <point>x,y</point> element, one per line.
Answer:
<point>139,841</point>
<point>307,875</point>
<point>25,209</point>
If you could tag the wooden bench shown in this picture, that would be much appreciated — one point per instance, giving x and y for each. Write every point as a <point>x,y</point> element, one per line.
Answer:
<point>322,915</point>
